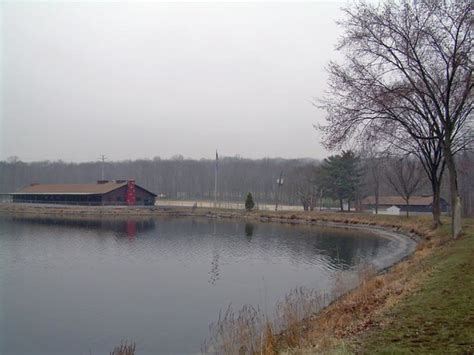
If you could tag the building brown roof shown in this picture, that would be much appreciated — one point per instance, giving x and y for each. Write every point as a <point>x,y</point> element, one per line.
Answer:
<point>76,189</point>
<point>398,200</point>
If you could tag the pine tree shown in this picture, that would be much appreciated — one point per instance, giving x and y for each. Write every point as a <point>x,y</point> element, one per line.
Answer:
<point>340,176</point>
<point>249,204</point>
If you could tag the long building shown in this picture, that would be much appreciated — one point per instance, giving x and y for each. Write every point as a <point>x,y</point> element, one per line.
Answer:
<point>104,192</point>
<point>417,204</point>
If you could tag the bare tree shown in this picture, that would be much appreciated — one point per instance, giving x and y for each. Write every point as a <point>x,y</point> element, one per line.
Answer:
<point>407,68</point>
<point>430,155</point>
<point>373,165</point>
<point>405,177</point>
<point>304,183</point>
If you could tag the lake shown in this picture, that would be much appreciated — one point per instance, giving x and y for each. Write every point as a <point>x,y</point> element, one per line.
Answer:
<point>82,286</point>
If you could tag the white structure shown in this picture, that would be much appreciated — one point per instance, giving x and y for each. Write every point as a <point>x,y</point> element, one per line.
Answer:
<point>393,210</point>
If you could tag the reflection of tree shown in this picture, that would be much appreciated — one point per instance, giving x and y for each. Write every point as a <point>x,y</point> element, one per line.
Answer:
<point>347,251</point>
<point>249,227</point>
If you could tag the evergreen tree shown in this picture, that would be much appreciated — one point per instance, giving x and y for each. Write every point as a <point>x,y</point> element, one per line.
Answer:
<point>340,176</point>
<point>249,204</point>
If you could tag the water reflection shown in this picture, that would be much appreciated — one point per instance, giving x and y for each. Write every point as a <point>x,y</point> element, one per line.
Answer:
<point>121,227</point>
<point>214,273</point>
<point>249,231</point>
<point>79,284</point>
<point>337,248</point>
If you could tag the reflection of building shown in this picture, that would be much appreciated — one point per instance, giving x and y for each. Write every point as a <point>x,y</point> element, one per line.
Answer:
<point>130,228</point>
<point>104,192</point>
<point>397,205</point>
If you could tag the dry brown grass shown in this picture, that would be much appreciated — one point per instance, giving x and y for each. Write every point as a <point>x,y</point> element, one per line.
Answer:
<point>240,332</point>
<point>291,312</point>
<point>124,349</point>
<point>250,331</point>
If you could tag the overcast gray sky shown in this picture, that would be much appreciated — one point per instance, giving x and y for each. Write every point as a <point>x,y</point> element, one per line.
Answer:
<point>138,80</point>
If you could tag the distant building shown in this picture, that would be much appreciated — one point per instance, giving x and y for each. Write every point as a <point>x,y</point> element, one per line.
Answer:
<point>104,192</point>
<point>397,205</point>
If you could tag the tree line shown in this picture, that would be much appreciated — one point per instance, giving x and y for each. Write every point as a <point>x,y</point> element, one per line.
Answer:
<point>339,181</point>
<point>175,178</point>
<point>348,178</point>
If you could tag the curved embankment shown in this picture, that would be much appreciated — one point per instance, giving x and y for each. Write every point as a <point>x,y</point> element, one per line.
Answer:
<point>385,227</point>
<point>169,211</point>
<point>405,243</point>
<point>365,222</point>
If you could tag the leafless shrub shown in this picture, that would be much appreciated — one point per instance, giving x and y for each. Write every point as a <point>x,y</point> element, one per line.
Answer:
<point>124,349</point>
<point>297,305</point>
<point>343,282</point>
<point>365,271</point>
<point>250,331</point>
<point>236,332</point>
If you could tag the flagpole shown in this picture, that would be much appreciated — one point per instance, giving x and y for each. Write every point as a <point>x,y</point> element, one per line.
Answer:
<point>215,181</point>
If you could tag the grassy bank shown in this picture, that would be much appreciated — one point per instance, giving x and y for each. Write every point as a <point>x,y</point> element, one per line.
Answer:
<point>438,316</point>
<point>422,305</point>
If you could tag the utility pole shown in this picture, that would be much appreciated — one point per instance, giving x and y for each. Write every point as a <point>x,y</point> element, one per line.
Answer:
<point>279,184</point>
<point>103,158</point>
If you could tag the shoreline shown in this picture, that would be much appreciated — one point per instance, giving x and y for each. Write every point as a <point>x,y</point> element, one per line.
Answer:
<point>407,240</point>
<point>316,218</point>
<point>328,219</point>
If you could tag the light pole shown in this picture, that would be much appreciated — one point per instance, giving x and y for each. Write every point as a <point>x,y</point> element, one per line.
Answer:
<point>279,184</point>
<point>321,200</point>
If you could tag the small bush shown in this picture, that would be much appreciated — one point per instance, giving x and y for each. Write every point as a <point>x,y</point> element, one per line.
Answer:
<point>249,204</point>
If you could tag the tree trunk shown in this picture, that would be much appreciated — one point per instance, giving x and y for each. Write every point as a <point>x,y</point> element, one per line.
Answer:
<point>376,194</point>
<point>377,201</point>
<point>436,205</point>
<point>311,203</point>
<point>341,205</point>
<point>304,203</point>
<point>407,206</point>
<point>453,186</point>
<point>348,204</point>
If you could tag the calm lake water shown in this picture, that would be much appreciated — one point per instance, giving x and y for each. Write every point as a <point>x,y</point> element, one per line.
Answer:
<point>80,287</point>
